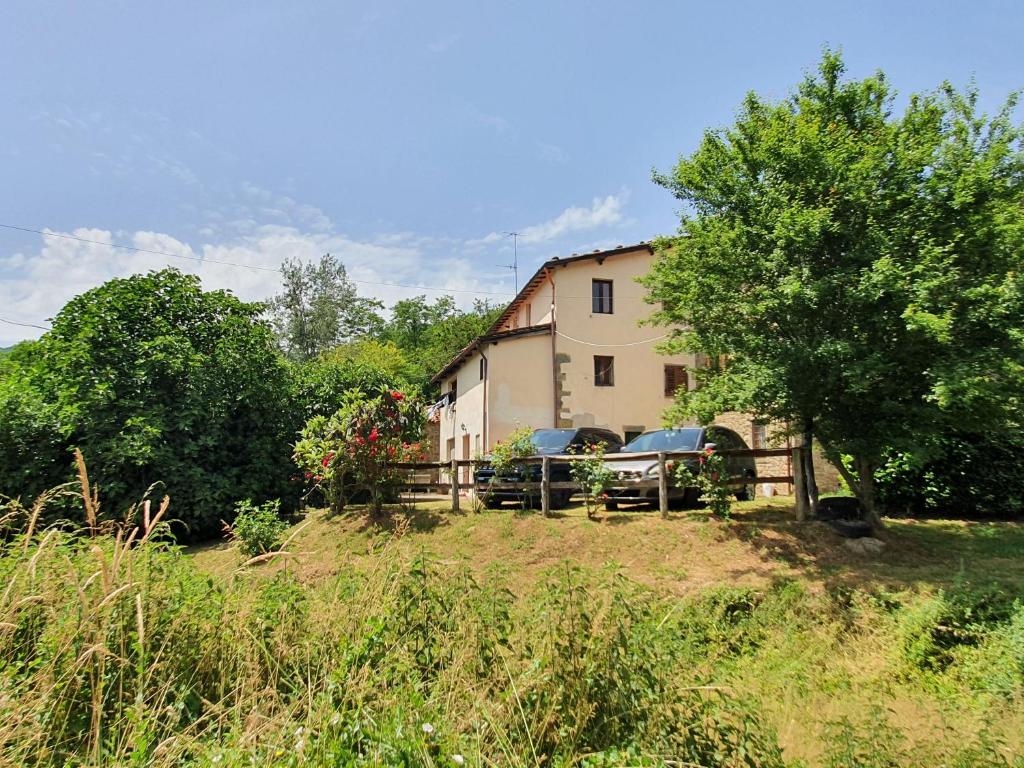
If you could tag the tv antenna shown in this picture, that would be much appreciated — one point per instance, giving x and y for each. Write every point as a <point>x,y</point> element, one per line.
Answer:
<point>514,266</point>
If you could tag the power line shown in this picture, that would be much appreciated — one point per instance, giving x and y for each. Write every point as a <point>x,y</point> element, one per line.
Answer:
<point>628,344</point>
<point>24,325</point>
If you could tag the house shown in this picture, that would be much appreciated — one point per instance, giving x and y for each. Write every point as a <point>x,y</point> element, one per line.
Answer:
<point>570,351</point>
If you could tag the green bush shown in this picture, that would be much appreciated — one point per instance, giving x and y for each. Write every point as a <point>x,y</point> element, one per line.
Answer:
<point>157,382</point>
<point>258,528</point>
<point>965,476</point>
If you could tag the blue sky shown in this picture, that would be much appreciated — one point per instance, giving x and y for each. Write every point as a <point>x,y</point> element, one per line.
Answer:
<point>404,137</point>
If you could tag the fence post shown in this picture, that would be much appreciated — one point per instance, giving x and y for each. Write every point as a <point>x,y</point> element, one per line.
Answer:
<point>455,485</point>
<point>803,501</point>
<point>662,485</point>
<point>545,485</point>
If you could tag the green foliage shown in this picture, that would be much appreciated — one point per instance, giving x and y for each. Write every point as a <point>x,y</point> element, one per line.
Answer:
<point>158,382</point>
<point>860,269</point>
<point>319,308</point>
<point>258,528</point>
<point>411,661</point>
<point>355,449</point>
<point>593,475</point>
<point>430,335</point>
<point>506,453</point>
<point>711,479</point>
<point>961,475</point>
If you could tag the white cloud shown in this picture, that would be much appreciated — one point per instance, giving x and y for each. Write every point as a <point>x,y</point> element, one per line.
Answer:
<point>603,212</point>
<point>36,285</point>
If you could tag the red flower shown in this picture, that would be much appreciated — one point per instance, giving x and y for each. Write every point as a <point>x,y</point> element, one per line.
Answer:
<point>396,395</point>
<point>709,450</point>
<point>309,475</point>
<point>374,436</point>
<point>328,458</point>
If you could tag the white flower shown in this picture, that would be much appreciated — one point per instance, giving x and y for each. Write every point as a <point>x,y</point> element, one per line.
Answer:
<point>428,729</point>
<point>458,759</point>
<point>335,718</point>
<point>298,731</point>
<point>216,758</point>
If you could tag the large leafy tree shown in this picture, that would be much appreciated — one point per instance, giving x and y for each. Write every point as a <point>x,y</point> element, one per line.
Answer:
<point>319,308</point>
<point>431,334</point>
<point>858,271</point>
<point>157,382</point>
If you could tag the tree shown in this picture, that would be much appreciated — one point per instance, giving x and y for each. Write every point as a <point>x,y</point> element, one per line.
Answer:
<point>157,382</point>
<point>860,271</point>
<point>432,334</point>
<point>319,308</point>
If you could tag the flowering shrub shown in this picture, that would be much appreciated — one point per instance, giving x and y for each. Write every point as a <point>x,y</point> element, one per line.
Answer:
<point>258,528</point>
<point>356,448</point>
<point>593,475</point>
<point>712,480</point>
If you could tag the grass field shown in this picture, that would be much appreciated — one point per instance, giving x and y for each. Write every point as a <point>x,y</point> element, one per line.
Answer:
<point>506,638</point>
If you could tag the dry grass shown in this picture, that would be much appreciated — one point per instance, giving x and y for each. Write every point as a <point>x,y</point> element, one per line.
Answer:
<point>689,551</point>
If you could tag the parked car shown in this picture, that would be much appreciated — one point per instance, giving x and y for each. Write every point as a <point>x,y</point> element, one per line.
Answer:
<point>637,479</point>
<point>546,442</point>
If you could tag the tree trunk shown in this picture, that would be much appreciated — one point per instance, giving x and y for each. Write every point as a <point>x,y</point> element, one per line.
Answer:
<point>862,484</point>
<point>808,463</point>
<point>866,471</point>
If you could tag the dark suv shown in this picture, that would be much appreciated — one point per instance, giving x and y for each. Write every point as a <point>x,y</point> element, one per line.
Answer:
<point>546,442</point>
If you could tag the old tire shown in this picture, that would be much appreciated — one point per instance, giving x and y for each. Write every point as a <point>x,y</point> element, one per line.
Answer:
<point>611,506</point>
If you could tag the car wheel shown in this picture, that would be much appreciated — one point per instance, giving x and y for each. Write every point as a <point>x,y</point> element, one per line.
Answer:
<point>491,502</point>
<point>560,500</point>
<point>746,493</point>
<point>611,506</point>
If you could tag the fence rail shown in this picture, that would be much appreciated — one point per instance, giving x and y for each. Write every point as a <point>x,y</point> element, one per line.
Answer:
<point>545,485</point>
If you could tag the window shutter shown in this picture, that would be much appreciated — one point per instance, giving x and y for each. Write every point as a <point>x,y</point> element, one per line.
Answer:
<point>676,377</point>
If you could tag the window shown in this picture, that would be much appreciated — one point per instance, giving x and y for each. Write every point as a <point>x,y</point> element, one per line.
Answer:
<point>604,371</point>
<point>483,367</point>
<point>758,434</point>
<point>676,378</point>
<point>632,433</point>
<point>602,293</point>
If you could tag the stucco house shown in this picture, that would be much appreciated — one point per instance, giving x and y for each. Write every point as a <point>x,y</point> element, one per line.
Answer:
<point>569,351</point>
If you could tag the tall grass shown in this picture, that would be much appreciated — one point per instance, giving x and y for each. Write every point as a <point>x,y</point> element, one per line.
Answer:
<point>116,650</point>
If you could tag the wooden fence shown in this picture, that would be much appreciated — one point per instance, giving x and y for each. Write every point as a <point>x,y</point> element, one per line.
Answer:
<point>453,486</point>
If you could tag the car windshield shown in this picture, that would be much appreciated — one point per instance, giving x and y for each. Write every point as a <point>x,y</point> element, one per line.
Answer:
<point>664,440</point>
<point>551,440</point>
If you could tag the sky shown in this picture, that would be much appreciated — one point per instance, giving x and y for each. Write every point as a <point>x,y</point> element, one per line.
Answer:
<point>406,138</point>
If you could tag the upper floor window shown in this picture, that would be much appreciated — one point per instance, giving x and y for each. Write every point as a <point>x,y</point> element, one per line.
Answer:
<point>483,367</point>
<point>604,371</point>
<point>602,293</point>
<point>676,378</point>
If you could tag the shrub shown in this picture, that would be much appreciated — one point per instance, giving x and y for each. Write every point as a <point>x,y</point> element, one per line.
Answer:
<point>964,475</point>
<point>593,475</point>
<point>355,450</point>
<point>712,479</point>
<point>258,528</point>
<point>506,453</point>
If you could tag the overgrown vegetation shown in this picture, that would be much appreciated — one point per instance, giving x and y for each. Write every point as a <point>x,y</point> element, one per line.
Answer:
<point>120,650</point>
